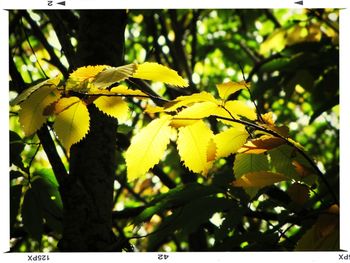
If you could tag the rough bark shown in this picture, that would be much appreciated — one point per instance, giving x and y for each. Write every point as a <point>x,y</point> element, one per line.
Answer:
<point>88,193</point>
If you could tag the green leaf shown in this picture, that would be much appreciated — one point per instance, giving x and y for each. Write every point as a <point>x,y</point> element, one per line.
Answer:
<point>282,159</point>
<point>275,64</point>
<point>48,174</point>
<point>247,163</point>
<point>32,215</point>
<point>49,198</point>
<point>174,198</point>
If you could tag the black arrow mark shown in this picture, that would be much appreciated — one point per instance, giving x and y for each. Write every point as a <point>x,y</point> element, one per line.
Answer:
<point>61,3</point>
<point>299,3</point>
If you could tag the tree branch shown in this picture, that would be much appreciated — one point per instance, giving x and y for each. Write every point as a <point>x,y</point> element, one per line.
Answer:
<point>54,60</point>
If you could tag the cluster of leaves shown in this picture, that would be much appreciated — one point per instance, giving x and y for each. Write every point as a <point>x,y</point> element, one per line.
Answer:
<point>197,145</point>
<point>67,102</point>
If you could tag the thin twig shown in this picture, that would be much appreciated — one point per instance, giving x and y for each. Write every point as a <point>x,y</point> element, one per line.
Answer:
<point>251,95</point>
<point>31,48</point>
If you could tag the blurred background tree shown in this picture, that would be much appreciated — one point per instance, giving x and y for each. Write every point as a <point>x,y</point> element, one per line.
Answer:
<point>291,58</point>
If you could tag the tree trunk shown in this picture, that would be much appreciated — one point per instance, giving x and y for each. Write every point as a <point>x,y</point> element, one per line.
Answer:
<point>88,193</point>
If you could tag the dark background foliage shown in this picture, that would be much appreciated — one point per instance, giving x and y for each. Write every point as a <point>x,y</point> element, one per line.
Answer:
<point>291,58</point>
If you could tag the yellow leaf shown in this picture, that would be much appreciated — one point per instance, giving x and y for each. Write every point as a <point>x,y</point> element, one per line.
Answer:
<point>151,109</point>
<point>147,147</point>
<point>275,42</point>
<point>63,104</point>
<point>262,144</point>
<point>228,88</point>
<point>211,151</point>
<point>192,145</point>
<point>112,75</point>
<point>188,100</point>
<point>230,140</point>
<point>268,118</point>
<point>86,73</point>
<point>238,108</point>
<point>113,106</point>
<point>72,124</point>
<point>124,90</point>
<point>259,179</point>
<point>31,115</point>
<point>156,72</point>
<point>26,93</point>
<point>194,113</point>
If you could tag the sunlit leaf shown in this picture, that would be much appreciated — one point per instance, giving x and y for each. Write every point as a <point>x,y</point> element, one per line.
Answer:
<point>151,109</point>
<point>211,150</point>
<point>72,124</point>
<point>26,93</point>
<point>275,42</point>
<point>268,118</point>
<point>112,75</point>
<point>261,145</point>
<point>188,100</point>
<point>192,144</point>
<point>259,179</point>
<point>194,113</point>
<point>86,73</point>
<point>113,106</point>
<point>239,108</point>
<point>31,115</point>
<point>124,90</point>
<point>156,72</point>
<point>247,163</point>
<point>63,104</point>
<point>228,88</point>
<point>230,140</point>
<point>147,147</point>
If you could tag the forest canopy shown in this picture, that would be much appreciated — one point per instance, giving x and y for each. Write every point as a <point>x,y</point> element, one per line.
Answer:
<point>174,130</point>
